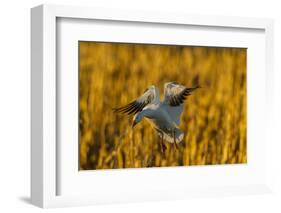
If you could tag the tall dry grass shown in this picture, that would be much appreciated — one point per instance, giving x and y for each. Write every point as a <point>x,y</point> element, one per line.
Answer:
<point>214,118</point>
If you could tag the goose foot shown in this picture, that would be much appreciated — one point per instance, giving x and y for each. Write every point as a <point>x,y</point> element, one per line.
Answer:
<point>175,142</point>
<point>162,145</point>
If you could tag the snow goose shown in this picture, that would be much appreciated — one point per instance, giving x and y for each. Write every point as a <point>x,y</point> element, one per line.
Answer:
<point>163,115</point>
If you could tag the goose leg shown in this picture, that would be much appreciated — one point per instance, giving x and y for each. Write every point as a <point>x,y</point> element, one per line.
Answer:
<point>162,145</point>
<point>175,142</point>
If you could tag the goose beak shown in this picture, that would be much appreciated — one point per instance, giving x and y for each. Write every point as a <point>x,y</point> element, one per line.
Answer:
<point>134,123</point>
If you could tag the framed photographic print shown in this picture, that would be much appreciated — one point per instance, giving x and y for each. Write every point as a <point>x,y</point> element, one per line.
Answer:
<point>130,106</point>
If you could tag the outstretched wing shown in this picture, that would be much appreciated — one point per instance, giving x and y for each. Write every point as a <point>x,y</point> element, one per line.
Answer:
<point>174,97</point>
<point>149,96</point>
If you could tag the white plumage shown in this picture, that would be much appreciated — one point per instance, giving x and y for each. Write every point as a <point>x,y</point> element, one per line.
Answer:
<point>163,115</point>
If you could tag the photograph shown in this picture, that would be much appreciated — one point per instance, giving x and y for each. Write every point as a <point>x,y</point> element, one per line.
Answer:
<point>161,105</point>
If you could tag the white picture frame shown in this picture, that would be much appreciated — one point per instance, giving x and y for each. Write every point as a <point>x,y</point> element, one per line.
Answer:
<point>47,165</point>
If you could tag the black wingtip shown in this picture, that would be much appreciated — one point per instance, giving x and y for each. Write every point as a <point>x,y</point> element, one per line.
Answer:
<point>196,87</point>
<point>114,110</point>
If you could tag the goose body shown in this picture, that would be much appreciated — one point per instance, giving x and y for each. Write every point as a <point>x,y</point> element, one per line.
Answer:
<point>163,123</point>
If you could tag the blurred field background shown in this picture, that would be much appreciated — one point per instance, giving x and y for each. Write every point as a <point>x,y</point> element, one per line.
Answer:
<point>214,118</point>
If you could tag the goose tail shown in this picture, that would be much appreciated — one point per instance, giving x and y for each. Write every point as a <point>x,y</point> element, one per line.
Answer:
<point>169,137</point>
